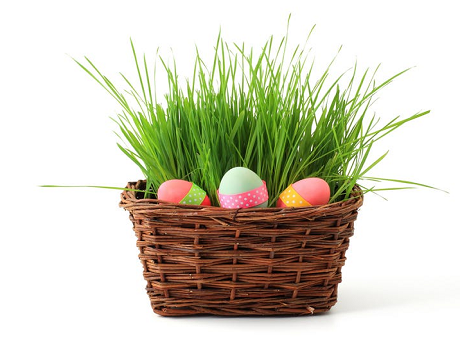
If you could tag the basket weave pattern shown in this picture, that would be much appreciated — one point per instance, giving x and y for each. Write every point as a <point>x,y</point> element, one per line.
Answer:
<point>266,261</point>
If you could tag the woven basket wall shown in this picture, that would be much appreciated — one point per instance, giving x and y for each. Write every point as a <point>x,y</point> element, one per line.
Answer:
<point>210,260</point>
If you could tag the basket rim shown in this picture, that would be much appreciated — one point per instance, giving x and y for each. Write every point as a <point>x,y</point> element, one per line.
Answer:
<point>128,199</point>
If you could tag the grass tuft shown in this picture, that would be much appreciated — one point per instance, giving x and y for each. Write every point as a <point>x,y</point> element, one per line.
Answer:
<point>263,111</point>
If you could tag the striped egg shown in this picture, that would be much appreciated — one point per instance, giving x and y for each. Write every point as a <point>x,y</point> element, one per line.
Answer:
<point>182,192</point>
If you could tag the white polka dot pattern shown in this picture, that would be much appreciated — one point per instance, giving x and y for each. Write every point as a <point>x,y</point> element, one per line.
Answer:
<point>291,198</point>
<point>195,196</point>
<point>248,199</point>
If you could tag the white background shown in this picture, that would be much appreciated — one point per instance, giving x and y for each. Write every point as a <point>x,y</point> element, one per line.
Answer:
<point>69,267</point>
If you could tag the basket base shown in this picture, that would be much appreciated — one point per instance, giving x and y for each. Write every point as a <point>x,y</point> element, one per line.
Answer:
<point>253,307</point>
<point>239,312</point>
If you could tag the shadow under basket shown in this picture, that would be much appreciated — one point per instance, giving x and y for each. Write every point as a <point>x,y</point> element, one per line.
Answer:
<point>257,261</point>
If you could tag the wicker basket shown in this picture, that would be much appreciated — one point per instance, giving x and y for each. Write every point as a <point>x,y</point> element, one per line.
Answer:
<point>262,261</point>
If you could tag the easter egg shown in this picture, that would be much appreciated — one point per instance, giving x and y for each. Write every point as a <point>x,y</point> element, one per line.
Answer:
<point>241,188</point>
<point>183,192</point>
<point>311,191</point>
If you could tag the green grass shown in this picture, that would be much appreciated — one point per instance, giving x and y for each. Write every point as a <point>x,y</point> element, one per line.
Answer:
<point>260,110</point>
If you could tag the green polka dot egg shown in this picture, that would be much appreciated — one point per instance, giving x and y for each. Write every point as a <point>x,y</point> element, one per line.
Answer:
<point>182,192</point>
